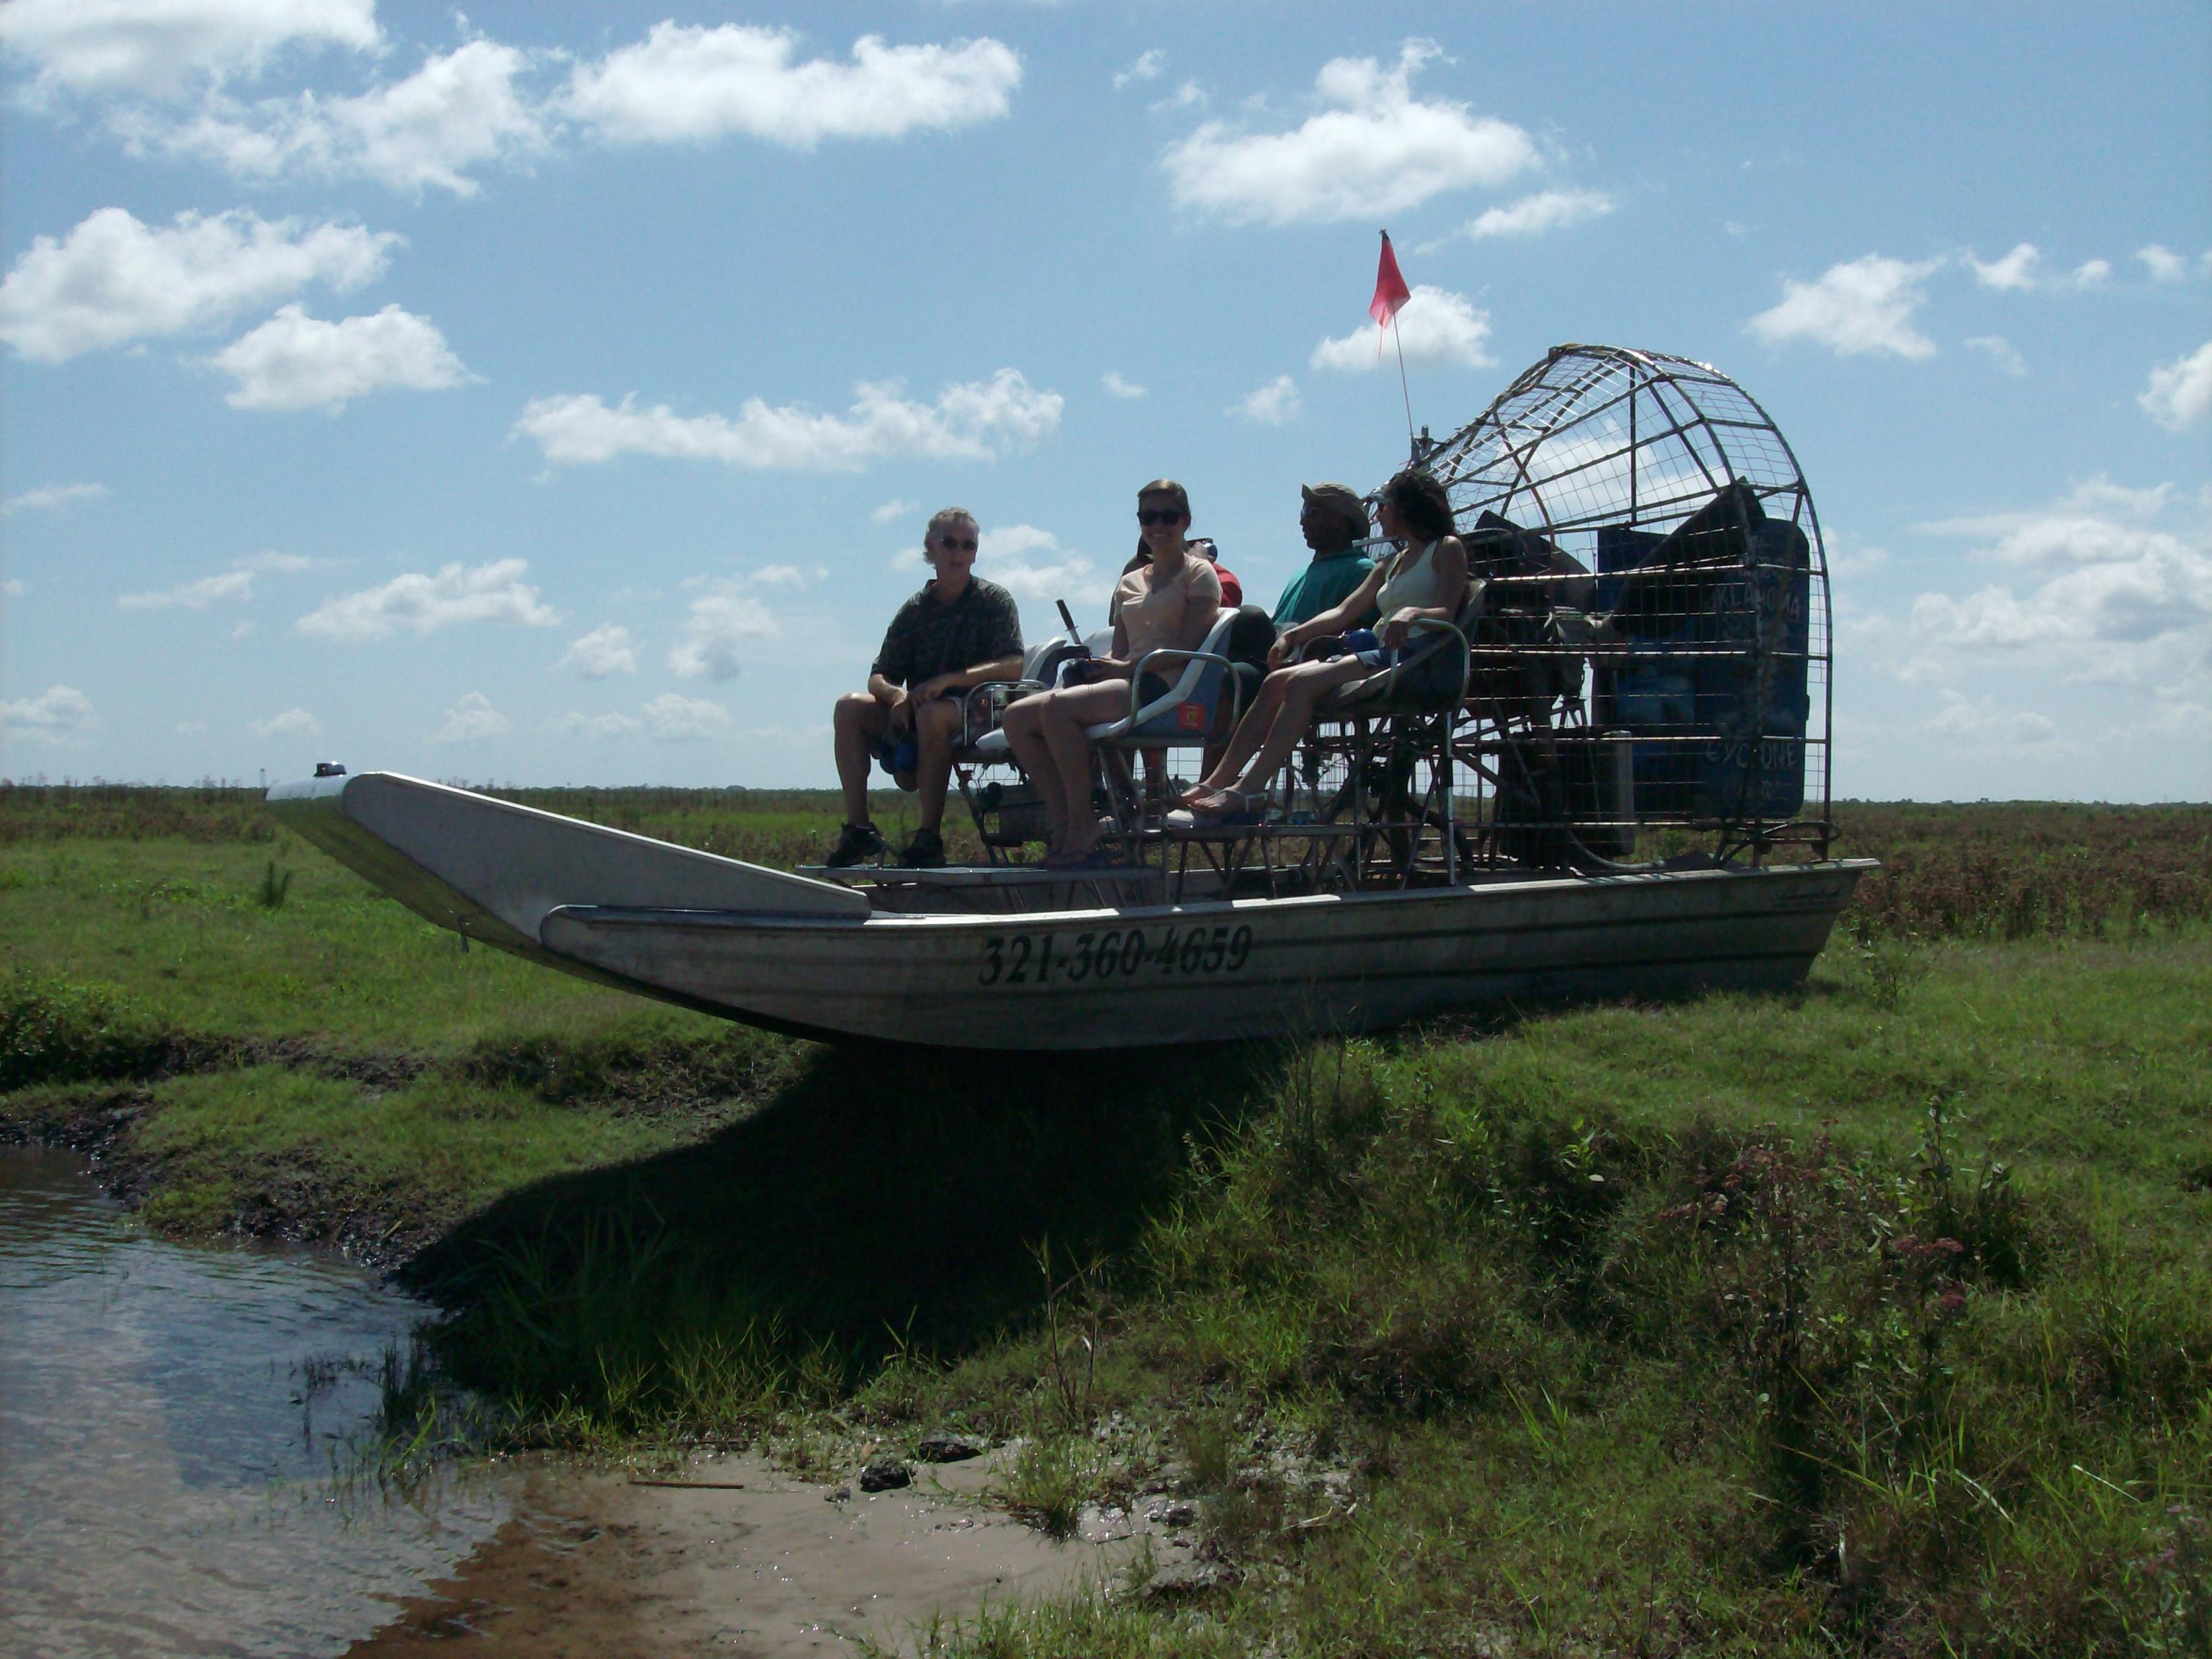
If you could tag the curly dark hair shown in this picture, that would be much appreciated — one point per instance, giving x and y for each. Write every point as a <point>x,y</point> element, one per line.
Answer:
<point>1421,500</point>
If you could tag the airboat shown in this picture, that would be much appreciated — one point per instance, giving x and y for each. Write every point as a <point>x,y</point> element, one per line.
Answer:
<point>1605,778</point>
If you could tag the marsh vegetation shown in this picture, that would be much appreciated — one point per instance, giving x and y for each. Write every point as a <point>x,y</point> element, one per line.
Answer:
<point>1874,1318</point>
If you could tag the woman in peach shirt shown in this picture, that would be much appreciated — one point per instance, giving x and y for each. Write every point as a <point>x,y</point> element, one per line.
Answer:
<point>1169,603</point>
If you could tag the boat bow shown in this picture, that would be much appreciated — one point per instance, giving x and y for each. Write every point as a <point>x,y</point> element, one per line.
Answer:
<point>492,871</point>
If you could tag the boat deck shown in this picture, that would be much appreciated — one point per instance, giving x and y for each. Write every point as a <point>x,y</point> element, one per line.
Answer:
<point>986,888</point>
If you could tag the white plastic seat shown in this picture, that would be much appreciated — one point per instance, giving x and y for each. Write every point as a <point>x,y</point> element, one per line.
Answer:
<point>1182,716</point>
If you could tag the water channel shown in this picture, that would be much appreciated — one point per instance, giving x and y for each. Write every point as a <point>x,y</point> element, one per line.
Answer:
<point>170,1419</point>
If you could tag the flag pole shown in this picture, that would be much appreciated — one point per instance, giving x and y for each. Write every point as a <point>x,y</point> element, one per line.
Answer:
<point>1398,338</point>
<point>1412,446</point>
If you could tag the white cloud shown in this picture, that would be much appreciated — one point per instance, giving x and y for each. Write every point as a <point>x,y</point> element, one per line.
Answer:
<point>418,602</point>
<point>606,650</point>
<point>53,716</point>
<point>973,421</point>
<point>297,361</point>
<point>2114,584</point>
<point>1978,722</point>
<point>2095,498</point>
<point>778,575</point>
<point>895,508</point>
<point>686,84</point>
<point>674,719</point>
<point>2022,271</point>
<point>115,279</point>
<point>1532,216</point>
<point>194,595</point>
<point>472,720</point>
<point>1866,304</point>
<point>722,620</point>
<point>2001,352</point>
<point>1032,564</point>
<point>287,563</point>
<point>2180,391</point>
<point>1117,387</point>
<point>2187,720</point>
<point>1435,328</point>
<point>2019,271</point>
<point>14,587</point>
<point>1847,556</point>
<point>574,725</point>
<point>190,728</point>
<point>1146,68</point>
<point>2104,606</point>
<point>54,498</point>
<point>2164,265</point>
<point>1275,404</point>
<point>292,723</point>
<point>1374,149</point>
<point>458,110</point>
<point>156,47</point>
<point>1189,95</point>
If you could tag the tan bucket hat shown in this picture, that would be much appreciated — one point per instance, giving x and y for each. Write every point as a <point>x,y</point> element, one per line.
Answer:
<point>1338,498</point>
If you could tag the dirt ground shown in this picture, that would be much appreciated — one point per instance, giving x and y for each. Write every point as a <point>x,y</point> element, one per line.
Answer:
<point>598,1566</point>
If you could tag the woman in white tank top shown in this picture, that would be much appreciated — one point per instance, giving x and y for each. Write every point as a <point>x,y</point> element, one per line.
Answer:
<point>1425,580</point>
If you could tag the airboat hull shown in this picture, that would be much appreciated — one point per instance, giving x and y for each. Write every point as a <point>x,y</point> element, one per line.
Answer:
<point>813,957</point>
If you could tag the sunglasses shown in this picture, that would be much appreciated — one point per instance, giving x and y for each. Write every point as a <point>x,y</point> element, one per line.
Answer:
<point>1152,515</point>
<point>965,543</point>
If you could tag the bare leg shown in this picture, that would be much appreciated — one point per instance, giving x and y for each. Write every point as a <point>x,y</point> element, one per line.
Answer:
<point>1023,726</point>
<point>1302,688</point>
<point>936,725</point>
<point>860,720</point>
<point>1251,732</point>
<point>1066,716</point>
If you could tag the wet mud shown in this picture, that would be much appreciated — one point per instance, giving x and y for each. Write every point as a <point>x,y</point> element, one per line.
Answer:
<point>738,1558</point>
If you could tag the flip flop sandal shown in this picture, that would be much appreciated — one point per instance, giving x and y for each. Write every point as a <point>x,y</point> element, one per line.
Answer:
<point>1245,813</point>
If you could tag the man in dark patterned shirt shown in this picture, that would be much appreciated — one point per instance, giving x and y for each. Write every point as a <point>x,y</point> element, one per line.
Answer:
<point>959,631</point>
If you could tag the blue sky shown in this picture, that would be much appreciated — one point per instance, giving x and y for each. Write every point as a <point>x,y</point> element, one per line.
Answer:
<point>557,393</point>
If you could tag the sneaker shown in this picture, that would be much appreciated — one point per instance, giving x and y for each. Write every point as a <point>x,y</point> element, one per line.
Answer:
<point>856,842</point>
<point>925,852</point>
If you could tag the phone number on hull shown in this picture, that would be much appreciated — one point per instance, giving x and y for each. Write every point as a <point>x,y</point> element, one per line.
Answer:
<point>1116,953</point>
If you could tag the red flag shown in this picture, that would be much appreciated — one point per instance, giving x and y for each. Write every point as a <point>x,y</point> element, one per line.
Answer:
<point>1391,290</point>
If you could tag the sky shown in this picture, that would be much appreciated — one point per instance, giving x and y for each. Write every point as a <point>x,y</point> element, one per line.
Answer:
<point>557,394</point>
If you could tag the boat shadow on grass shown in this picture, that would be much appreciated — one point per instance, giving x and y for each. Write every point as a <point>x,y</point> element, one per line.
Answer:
<point>885,1200</point>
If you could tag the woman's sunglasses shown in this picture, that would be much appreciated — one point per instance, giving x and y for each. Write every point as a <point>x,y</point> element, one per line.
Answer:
<point>1152,515</point>
<point>965,543</point>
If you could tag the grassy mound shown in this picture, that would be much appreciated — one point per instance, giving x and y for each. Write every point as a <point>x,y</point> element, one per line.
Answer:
<point>1877,1318</point>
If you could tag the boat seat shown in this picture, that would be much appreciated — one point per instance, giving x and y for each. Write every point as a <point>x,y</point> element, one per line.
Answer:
<point>1182,716</point>
<point>1431,676</point>
<point>992,749</point>
<point>983,742</point>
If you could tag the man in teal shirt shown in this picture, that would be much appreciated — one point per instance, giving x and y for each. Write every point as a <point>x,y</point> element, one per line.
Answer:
<point>1334,522</point>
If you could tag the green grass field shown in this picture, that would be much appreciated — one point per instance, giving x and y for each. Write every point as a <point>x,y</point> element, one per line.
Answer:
<point>1874,1318</point>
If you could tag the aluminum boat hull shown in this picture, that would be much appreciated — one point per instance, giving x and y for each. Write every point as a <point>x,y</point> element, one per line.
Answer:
<point>782,951</point>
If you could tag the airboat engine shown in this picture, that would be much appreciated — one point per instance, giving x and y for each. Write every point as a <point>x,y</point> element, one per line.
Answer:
<point>1665,529</point>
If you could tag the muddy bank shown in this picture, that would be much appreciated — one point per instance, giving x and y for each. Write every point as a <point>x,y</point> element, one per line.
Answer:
<point>736,1557</point>
<point>110,1095</point>
<point>298,1205</point>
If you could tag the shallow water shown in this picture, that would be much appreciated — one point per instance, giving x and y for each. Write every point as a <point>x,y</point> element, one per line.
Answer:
<point>170,1417</point>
